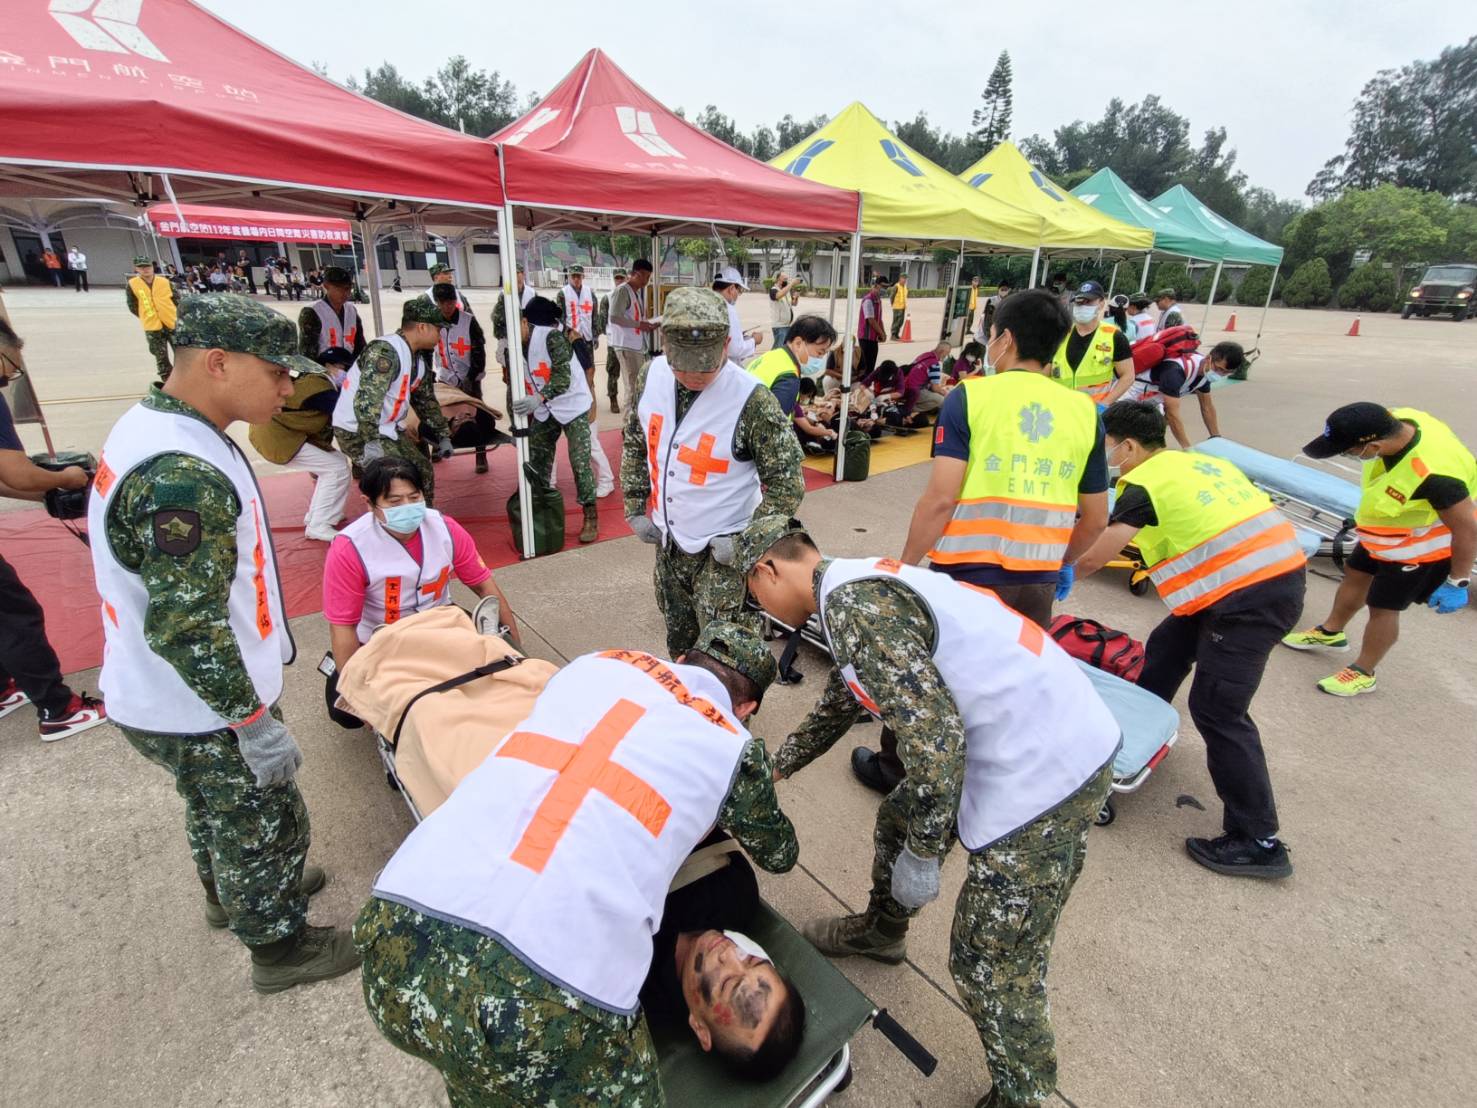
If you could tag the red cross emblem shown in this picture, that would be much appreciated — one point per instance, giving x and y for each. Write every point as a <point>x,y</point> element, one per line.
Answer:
<point>701,460</point>
<point>461,346</point>
<point>437,588</point>
<point>582,767</point>
<point>333,336</point>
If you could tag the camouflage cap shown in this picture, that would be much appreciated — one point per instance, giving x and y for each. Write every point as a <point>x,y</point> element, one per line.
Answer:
<point>619,271</point>
<point>139,259</point>
<point>228,321</point>
<point>438,268</point>
<point>1166,293</point>
<point>576,271</point>
<point>739,649</point>
<point>694,329</point>
<point>754,541</point>
<point>421,309</point>
<point>336,275</point>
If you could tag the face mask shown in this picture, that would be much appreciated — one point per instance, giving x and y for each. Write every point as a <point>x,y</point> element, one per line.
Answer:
<point>816,366</point>
<point>1084,313</point>
<point>988,363</point>
<point>747,946</point>
<point>404,519</point>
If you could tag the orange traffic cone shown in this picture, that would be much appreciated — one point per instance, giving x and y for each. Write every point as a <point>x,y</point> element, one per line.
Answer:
<point>1231,323</point>
<point>906,334</point>
<point>1354,329</point>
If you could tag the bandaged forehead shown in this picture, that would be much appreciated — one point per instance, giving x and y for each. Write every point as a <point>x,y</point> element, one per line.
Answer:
<point>748,946</point>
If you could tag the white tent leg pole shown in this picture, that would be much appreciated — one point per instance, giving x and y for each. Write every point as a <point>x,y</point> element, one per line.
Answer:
<point>513,315</point>
<point>1144,277</point>
<point>1210,300</point>
<point>1267,306</point>
<point>1035,262</point>
<point>853,269</point>
<point>179,262</point>
<point>654,296</point>
<point>376,286</point>
<point>1112,279</point>
<point>835,264</point>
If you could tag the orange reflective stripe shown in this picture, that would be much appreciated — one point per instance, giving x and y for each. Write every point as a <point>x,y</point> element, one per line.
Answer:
<point>701,460</point>
<point>667,678</point>
<point>582,767</point>
<point>994,558</point>
<point>653,436</point>
<point>259,578</point>
<point>1021,532</point>
<point>103,481</point>
<point>863,699</point>
<point>438,586</point>
<point>400,400</point>
<point>1420,467</point>
<point>392,599</point>
<point>1271,536</point>
<point>1041,504</point>
<point>1266,573</point>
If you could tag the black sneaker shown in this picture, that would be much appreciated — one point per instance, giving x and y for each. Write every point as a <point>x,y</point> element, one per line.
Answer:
<point>867,765</point>
<point>1236,856</point>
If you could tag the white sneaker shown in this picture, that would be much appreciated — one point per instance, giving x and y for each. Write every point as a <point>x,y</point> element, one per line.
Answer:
<point>487,616</point>
<point>320,534</point>
<point>11,698</point>
<point>603,489</point>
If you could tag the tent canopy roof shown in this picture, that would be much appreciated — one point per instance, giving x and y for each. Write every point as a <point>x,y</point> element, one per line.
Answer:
<point>600,152</point>
<point>1110,194</point>
<point>97,102</point>
<point>1005,174</point>
<point>1240,246</point>
<point>905,197</point>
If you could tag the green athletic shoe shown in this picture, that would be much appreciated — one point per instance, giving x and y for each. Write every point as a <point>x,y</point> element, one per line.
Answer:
<point>843,936</point>
<point>1315,638</point>
<point>313,879</point>
<point>1348,682</point>
<point>318,954</point>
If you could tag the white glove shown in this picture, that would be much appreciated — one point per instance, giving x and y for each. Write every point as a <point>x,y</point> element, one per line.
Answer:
<point>722,550</point>
<point>644,529</point>
<point>525,405</point>
<point>915,880</point>
<point>268,750</point>
<point>372,451</point>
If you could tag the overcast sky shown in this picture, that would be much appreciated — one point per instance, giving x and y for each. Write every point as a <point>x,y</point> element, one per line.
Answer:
<point>1279,76</point>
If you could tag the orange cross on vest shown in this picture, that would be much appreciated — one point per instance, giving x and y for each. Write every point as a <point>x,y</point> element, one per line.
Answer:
<point>701,460</point>
<point>333,336</point>
<point>436,588</point>
<point>461,346</point>
<point>541,373</point>
<point>582,767</point>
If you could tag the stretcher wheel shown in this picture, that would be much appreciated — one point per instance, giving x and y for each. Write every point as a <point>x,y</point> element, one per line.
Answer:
<point>1138,585</point>
<point>1106,814</point>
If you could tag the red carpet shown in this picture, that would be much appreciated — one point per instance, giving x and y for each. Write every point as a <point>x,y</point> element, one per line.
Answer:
<point>58,569</point>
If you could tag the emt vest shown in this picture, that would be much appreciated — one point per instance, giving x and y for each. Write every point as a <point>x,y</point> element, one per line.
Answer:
<point>1094,373</point>
<point>142,689</point>
<point>571,404</point>
<point>772,365</point>
<point>625,338</point>
<point>579,312</point>
<point>399,585</point>
<point>699,487</point>
<point>333,332</point>
<point>1392,525</point>
<point>562,843</point>
<point>155,302</point>
<point>1034,729</point>
<point>396,404</point>
<point>1217,532</point>
<point>454,351</point>
<point>1029,441</point>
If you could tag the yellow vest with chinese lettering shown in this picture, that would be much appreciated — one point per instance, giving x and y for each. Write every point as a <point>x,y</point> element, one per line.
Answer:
<point>770,367</point>
<point>1216,531</point>
<point>1029,440</point>
<point>1393,526</point>
<point>900,296</point>
<point>155,302</point>
<point>1094,373</point>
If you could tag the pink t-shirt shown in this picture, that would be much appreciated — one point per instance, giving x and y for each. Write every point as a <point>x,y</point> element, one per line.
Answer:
<point>344,581</point>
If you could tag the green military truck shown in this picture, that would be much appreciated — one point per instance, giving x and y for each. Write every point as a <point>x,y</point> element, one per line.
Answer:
<point>1443,289</point>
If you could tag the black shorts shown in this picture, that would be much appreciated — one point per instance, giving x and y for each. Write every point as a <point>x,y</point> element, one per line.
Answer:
<point>1398,585</point>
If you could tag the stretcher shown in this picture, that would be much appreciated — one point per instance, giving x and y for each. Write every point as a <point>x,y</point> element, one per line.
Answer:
<point>406,692</point>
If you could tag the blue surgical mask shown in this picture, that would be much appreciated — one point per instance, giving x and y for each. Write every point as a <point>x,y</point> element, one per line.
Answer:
<point>815,367</point>
<point>405,519</point>
<point>1084,313</point>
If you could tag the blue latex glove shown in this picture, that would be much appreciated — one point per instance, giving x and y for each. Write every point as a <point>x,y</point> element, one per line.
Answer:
<point>1065,579</point>
<point>915,880</point>
<point>1448,598</point>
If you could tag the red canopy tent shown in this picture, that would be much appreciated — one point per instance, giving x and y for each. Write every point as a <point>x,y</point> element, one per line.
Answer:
<point>203,221</point>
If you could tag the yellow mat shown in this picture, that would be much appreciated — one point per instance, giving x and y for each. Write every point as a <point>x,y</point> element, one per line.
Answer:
<point>888,453</point>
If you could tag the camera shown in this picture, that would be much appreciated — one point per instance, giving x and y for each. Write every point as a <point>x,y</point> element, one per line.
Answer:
<point>67,503</point>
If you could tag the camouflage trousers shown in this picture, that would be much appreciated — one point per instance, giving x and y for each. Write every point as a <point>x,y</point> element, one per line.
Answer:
<point>612,373</point>
<point>352,444</point>
<point>543,445</point>
<point>1004,923</point>
<point>692,589</point>
<point>499,1033</point>
<point>159,342</point>
<point>248,842</point>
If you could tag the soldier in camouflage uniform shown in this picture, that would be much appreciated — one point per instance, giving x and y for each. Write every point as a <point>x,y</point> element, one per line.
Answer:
<point>363,401</point>
<point>891,647</point>
<point>196,675</point>
<point>500,1030</point>
<point>612,363</point>
<point>721,472</point>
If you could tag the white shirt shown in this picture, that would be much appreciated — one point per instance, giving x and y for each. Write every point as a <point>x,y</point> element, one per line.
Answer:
<point>740,346</point>
<point>76,259</point>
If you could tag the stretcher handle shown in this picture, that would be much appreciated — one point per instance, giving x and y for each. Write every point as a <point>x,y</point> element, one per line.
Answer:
<point>911,1048</point>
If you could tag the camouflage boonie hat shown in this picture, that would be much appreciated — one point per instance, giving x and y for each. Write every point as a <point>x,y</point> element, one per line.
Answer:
<point>139,259</point>
<point>740,650</point>
<point>336,275</point>
<point>576,271</point>
<point>694,328</point>
<point>1166,292</point>
<point>421,309</point>
<point>438,268</point>
<point>619,271</point>
<point>754,541</point>
<point>228,321</point>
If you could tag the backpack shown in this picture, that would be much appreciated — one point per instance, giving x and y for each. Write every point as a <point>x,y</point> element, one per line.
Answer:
<point>1172,342</point>
<point>1101,647</point>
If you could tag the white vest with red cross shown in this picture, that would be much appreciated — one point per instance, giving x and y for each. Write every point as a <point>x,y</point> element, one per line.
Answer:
<point>1035,730</point>
<point>398,584</point>
<point>579,311</point>
<point>396,405</point>
<point>141,689</point>
<point>454,351</point>
<point>699,490</point>
<point>571,404</point>
<point>1196,370</point>
<point>563,842</point>
<point>335,332</point>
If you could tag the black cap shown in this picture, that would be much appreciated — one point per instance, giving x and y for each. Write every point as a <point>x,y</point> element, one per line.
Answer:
<point>1350,426</point>
<point>335,355</point>
<point>1088,290</point>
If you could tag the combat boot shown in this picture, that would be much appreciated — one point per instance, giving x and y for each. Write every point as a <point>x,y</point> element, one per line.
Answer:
<point>314,878</point>
<point>872,936</point>
<point>313,954</point>
<point>591,530</point>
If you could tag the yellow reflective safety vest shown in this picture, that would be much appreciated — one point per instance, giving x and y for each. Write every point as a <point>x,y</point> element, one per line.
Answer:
<point>1217,532</point>
<point>1029,441</point>
<point>1094,374</point>
<point>771,366</point>
<point>1393,526</point>
<point>155,302</point>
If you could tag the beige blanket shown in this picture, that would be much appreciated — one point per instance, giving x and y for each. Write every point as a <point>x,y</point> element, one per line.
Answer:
<point>448,734</point>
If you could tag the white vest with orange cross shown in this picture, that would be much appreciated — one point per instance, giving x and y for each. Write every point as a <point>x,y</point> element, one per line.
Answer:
<point>333,331</point>
<point>699,489</point>
<point>579,311</point>
<point>563,842</point>
<point>396,406</point>
<point>141,689</point>
<point>398,584</point>
<point>571,404</point>
<point>454,351</point>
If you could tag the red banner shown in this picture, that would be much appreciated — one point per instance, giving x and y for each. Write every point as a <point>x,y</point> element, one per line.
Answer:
<point>238,223</point>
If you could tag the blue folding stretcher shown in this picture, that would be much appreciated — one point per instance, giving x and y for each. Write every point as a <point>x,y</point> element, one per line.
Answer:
<point>1150,727</point>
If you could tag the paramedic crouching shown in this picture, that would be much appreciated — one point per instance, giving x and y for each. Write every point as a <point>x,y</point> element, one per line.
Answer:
<point>508,938</point>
